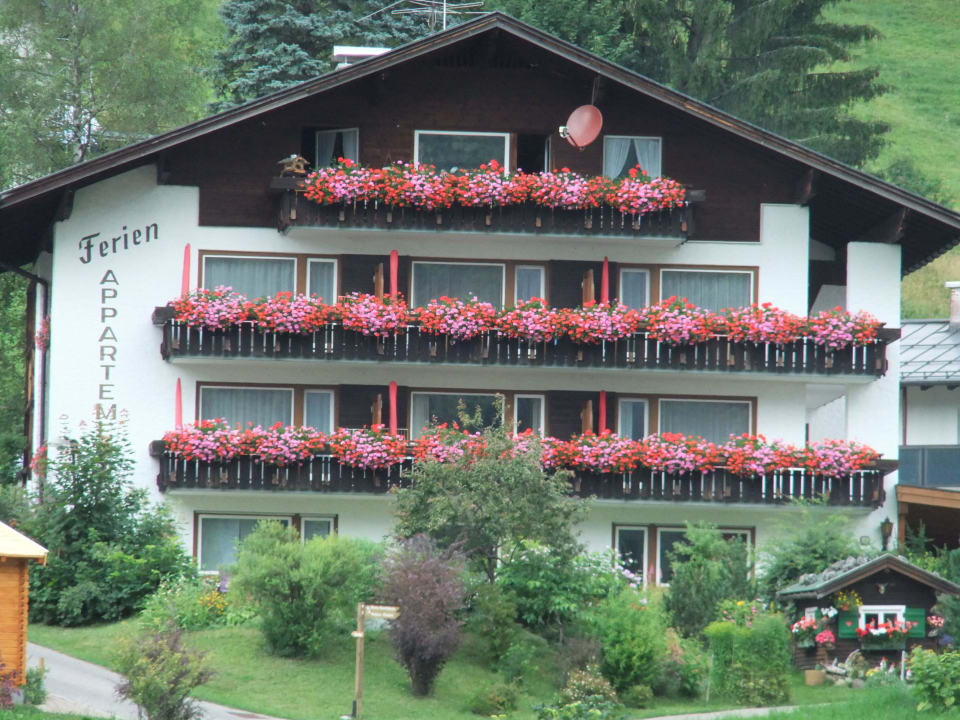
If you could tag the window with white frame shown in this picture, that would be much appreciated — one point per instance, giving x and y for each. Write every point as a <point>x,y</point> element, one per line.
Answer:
<point>252,276</point>
<point>632,418</point>
<point>311,527</point>
<point>711,289</point>
<point>877,614</point>
<point>634,287</point>
<point>623,152</point>
<point>318,410</point>
<point>631,548</point>
<point>810,613</point>
<point>457,149</point>
<point>528,413</point>
<point>443,407</point>
<point>322,279</point>
<point>669,538</point>
<point>713,420</point>
<point>220,535</point>
<point>242,405</point>
<point>432,280</point>
<point>339,143</point>
<point>528,282</point>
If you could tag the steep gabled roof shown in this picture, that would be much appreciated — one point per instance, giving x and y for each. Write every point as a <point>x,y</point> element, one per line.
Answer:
<point>849,203</point>
<point>846,572</point>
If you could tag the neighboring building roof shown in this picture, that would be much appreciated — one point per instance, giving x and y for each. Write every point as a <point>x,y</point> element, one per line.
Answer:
<point>17,545</point>
<point>847,204</point>
<point>929,353</point>
<point>846,572</point>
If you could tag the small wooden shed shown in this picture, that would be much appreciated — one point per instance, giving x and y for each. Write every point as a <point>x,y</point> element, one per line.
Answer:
<point>884,588</point>
<point>16,550</point>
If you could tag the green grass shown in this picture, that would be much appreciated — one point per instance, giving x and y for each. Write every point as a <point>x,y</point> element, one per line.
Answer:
<point>889,703</point>
<point>250,679</point>
<point>28,712</point>
<point>918,59</point>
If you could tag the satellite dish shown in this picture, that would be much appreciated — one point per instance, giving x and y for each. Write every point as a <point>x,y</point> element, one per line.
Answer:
<point>582,127</point>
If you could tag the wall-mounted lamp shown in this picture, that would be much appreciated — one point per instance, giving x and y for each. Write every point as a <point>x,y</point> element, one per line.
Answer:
<point>886,530</point>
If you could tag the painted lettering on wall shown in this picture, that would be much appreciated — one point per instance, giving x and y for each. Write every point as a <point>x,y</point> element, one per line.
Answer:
<point>93,246</point>
<point>107,345</point>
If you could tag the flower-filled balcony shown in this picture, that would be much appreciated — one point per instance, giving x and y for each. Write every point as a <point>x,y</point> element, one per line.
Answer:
<point>488,199</point>
<point>672,335</point>
<point>666,467</point>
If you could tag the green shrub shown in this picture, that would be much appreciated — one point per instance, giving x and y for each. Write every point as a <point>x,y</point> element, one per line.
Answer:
<point>632,628</point>
<point>307,592</point>
<point>589,709</point>
<point>191,603</point>
<point>707,569</point>
<point>577,652</point>
<point>936,679</point>
<point>35,688</point>
<point>751,665</point>
<point>14,504</point>
<point>589,683</point>
<point>493,619</point>
<point>499,698</point>
<point>683,667</point>
<point>519,661</point>
<point>638,696</point>
<point>160,673</point>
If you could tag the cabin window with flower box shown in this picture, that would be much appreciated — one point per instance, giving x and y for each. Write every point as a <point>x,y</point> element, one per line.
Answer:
<point>444,407</point>
<point>709,289</point>
<point>453,149</point>
<point>267,406</point>
<point>338,143</point>
<point>621,153</point>
<point>713,420</point>
<point>633,418</point>
<point>529,413</point>
<point>433,280</point>
<point>264,276</point>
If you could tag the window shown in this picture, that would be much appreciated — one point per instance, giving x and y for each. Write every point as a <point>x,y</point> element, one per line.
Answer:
<point>333,144</point>
<point>432,280</point>
<point>930,465</point>
<point>634,287</point>
<point>443,408</point>
<point>707,288</point>
<point>240,405</point>
<point>528,413</point>
<point>318,410</point>
<point>632,419</point>
<point>880,614</point>
<point>454,149</point>
<point>528,282</point>
<point>252,276</point>
<point>669,538</point>
<point>315,527</point>
<point>713,420</point>
<point>810,613</point>
<point>622,152</point>
<point>631,548</point>
<point>219,536</point>
<point>322,279</point>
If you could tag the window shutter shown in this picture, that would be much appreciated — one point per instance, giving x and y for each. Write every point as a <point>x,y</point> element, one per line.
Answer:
<point>589,293</point>
<point>376,410</point>
<point>378,282</point>
<point>586,417</point>
<point>919,616</point>
<point>847,624</point>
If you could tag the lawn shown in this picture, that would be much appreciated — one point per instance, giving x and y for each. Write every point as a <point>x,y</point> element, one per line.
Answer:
<point>248,678</point>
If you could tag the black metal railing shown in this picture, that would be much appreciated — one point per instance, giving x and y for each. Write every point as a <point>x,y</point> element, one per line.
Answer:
<point>323,473</point>
<point>638,351</point>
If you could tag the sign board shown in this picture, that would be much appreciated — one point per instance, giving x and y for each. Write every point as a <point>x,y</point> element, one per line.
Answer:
<point>381,612</point>
<point>364,613</point>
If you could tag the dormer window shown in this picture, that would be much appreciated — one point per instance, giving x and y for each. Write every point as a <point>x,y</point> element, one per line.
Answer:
<point>339,143</point>
<point>622,152</point>
<point>456,149</point>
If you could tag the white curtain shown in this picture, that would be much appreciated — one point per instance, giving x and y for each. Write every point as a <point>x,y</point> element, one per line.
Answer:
<point>712,290</point>
<point>648,155</point>
<point>457,280</point>
<point>350,141</point>
<point>633,288</point>
<point>326,141</point>
<point>320,279</point>
<point>254,277</point>
<point>220,537</point>
<point>632,414</point>
<point>529,283</point>
<point>615,153</point>
<point>317,410</point>
<point>261,406</point>
<point>713,421</point>
<point>529,413</point>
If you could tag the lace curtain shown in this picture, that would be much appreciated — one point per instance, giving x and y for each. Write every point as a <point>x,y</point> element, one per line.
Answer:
<point>254,277</point>
<point>261,406</point>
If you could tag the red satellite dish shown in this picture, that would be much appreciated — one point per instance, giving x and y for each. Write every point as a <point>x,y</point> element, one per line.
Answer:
<point>583,126</point>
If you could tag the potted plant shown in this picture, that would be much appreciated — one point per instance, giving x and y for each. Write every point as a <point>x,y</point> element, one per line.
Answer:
<point>825,639</point>
<point>804,632</point>
<point>848,600</point>
<point>885,636</point>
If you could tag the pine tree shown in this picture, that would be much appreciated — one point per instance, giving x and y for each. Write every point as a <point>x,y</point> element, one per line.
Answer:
<point>275,43</point>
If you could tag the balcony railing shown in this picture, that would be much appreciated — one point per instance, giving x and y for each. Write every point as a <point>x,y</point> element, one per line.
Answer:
<point>294,210</point>
<point>323,473</point>
<point>639,351</point>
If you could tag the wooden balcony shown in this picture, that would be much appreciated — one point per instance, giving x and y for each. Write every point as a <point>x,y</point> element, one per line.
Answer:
<point>323,473</point>
<point>294,210</point>
<point>638,352</point>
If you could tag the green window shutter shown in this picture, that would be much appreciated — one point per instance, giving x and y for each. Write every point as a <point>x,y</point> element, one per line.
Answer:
<point>847,624</point>
<point>919,616</point>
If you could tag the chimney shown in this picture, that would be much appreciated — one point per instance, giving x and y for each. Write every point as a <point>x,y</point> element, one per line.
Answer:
<point>954,304</point>
<point>345,55</point>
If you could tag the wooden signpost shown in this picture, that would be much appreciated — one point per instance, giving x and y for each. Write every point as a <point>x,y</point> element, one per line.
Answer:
<point>365,612</point>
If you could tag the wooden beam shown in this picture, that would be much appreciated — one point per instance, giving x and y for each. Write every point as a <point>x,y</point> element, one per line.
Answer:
<point>887,231</point>
<point>928,496</point>
<point>64,206</point>
<point>806,187</point>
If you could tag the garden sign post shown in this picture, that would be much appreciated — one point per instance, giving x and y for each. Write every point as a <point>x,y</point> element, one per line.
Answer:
<point>364,611</point>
